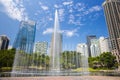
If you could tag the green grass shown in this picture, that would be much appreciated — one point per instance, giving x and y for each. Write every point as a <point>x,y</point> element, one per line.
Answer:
<point>90,69</point>
<point>5,69</point>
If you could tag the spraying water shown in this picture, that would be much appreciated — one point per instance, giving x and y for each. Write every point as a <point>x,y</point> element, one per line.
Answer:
<point>56,45</point>
<point>31,64</point>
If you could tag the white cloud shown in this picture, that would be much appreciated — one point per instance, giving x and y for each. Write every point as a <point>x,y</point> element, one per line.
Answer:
<point>68,33</point>
<point>77,22</point>
<point>80,7</point>
<point>70,10</point>
<point>39,3</point>
<point>50,19</point>
<point>48,31</point>
<point>14,9</point>
<point>56,6</point>
<point>61,14</point>
<point>71,19</point>
<point>71,33</point>
<point>93,9</point>
<point>67,3</point>
<point>74,21</point>
<point>44,7</point>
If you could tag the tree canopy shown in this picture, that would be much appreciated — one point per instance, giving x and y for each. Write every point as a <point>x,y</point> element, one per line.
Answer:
<point>105,60</point>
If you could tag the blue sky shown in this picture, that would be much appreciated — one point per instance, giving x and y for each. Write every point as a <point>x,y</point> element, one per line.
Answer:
<point>78,18</point>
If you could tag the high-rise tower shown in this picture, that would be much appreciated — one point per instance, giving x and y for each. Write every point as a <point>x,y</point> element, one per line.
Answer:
<point>89,38</point>
<point>26,36</point>
<point>95,48</point>
<point>56,45</point>
<point>104,44</point>
<point>4,42</point>
<point>83,49</point>
<point>112,14</point>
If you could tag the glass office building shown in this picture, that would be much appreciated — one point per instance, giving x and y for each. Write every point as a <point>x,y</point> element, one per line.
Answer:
<point>26,36</point>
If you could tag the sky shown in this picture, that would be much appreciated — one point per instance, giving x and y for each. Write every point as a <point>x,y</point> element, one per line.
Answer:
<point>78,18</point>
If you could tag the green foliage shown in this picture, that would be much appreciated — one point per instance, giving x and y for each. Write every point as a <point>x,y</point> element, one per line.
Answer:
<point>7,58</point>
<point>105,60</point>
<point>36,60</point>
<point>108,60</point>
<point>23,59</point>
<point>70,59</point>
<point>94,62</point>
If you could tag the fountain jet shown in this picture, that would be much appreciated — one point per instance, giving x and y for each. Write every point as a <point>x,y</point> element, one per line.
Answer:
<point>56,45</point>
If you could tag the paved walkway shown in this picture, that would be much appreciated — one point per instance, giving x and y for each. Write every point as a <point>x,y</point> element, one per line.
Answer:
<point>63,78</point>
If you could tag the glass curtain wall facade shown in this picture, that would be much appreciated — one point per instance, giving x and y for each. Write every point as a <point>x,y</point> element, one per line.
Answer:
<point>26,36</point>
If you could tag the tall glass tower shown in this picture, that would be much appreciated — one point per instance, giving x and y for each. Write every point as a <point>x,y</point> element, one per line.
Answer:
<point>112,14</point>
<point>25,37</point>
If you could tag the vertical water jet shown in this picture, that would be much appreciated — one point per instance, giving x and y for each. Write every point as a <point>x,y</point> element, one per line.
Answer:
<point>56,45</point>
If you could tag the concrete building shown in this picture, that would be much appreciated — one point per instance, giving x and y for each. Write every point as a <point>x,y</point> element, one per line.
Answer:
<point>89,38</point>
<point>4,42</point>
<point>112,14</point>
<point>104,44</point>
<point>95,48</point>
<point>83,49</point>
<point>41,47</point>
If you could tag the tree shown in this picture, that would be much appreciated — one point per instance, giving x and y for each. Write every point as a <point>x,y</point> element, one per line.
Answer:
<point>94,62</point>
<point>7,58</point>
<point>70,59</point>
<point>107,60</point>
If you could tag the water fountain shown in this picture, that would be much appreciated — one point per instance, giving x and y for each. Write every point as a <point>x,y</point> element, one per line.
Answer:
<point>56,45</point>
<point>31,64</point>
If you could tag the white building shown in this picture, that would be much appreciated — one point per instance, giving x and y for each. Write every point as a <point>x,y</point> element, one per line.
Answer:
<point>41,47</point>
<point>95,48</point>
<point>104,44</point>
<point>83,49</point>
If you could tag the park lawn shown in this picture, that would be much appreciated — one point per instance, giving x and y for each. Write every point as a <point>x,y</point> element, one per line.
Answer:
<point>5,69</point>
<point>90,69</point>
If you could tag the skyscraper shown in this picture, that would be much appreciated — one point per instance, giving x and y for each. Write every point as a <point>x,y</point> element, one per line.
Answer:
<point>83,58</point>
<point>104,44</point>
<point>89,43</point>
<point>41,47</point>
<point>25,37</point>
<point>83,49</point>
<point>112,14</point>
<point>4,42</point>
<point>95,48</point>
